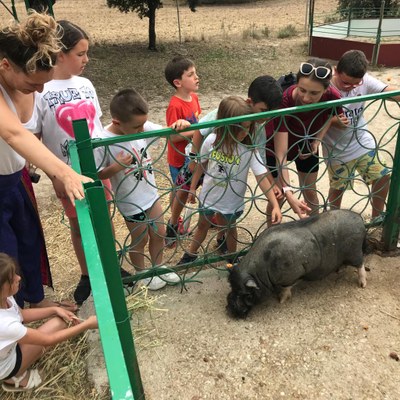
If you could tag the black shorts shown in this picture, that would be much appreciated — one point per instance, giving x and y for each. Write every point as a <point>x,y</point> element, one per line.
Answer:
<point>18,363</point>
<point>308,165</point>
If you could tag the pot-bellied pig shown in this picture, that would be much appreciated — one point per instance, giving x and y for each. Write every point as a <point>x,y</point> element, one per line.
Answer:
<point>307,249</point>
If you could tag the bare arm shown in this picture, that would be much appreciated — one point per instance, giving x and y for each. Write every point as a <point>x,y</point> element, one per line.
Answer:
<point>37,337</point>
<point>198,171</point>
<point>123,160</point>
<point>38,314</point>
<point>266,187</point>
<point>281,148</point>
<point>391,89</point>
<point>183,136</point>
<point>66,181</point>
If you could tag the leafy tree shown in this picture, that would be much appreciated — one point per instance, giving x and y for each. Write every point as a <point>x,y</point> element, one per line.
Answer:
<point>368,8</point>
<point>145,8</point>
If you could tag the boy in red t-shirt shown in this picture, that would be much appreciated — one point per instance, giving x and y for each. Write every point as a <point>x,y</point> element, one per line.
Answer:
<point>180,72</point>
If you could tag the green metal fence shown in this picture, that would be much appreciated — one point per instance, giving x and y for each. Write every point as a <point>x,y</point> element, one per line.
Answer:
<point>104,260</point>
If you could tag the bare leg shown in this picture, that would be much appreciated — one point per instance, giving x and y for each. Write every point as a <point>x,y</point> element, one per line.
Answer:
<point>200,233</point>
<point>379,188</point>
<point>31,353</point>
<point>177,205</point>
<point>335,197</point>
<point>156,233</point>
<point>139,235</point>
<point>77,244</point>
<point>308,183</point>
<point>362,276</point>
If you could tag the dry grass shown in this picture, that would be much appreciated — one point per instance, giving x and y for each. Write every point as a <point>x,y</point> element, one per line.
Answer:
<point>64,367</point>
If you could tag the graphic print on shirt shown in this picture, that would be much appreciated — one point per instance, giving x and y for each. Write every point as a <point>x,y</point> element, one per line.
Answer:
<point>66,107</point>
<point>141,164</point>
<point>223,167</point>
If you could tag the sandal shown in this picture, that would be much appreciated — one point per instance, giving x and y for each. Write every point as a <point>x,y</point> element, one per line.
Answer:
<point>34,381</point>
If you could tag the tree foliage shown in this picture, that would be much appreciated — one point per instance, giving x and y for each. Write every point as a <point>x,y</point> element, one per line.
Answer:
<point>368,8</point>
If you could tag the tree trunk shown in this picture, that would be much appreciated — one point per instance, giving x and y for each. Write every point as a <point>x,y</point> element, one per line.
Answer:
<point>152,26</point>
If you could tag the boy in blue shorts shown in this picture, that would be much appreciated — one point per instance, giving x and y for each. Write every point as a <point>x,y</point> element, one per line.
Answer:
<point>181,74</point>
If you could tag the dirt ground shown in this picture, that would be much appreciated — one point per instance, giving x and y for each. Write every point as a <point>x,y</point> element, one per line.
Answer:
<point>333,339</point>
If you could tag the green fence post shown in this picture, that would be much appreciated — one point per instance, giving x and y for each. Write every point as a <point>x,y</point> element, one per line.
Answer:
<point>14,10</point>
<point>391,225</point>
<point>111,297</point>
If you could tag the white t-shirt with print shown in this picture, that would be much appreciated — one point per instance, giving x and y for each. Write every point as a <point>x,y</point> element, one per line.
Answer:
<point>61,102</point>
<point>11,330</point>
<point>259,133</point>
<point>225,179</point>
<point>134,187</point>
<point>11,161</point>
<point>344,145</point>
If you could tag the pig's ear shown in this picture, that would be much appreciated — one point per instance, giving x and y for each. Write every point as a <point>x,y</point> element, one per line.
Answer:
<point>251,284</point>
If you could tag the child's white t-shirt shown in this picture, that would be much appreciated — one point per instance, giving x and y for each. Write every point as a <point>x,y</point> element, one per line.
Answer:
<point>61,102</point>
<point>225,179</point>
<point>344,145</point>
<point>11,330</point>
<point>134,188</point>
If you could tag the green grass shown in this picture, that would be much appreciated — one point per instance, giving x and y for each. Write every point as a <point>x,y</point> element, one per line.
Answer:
<point>287,32</point>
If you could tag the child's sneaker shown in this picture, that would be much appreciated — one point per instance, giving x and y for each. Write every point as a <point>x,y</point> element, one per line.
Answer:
<point>154,283</point>
<point>171,277</point>
<point>182,230</point>
<point>126,274</point>
<point>222,248</point>
<point>187,258</point>
<point>171,235</point>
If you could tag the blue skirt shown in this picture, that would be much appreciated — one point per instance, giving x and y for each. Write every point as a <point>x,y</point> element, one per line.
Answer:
<point>20,236</point>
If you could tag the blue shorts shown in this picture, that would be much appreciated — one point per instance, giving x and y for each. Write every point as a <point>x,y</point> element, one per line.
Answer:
<point>230,218</point>
<point>174,171</point>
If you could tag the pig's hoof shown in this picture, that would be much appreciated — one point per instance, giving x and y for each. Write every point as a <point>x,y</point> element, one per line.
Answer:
<point>285,294</point>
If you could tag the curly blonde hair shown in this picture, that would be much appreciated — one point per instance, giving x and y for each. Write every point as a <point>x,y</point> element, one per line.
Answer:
<point>32,44</point>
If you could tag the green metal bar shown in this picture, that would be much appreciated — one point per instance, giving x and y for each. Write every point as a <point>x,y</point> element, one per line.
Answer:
<point>252,117</point>
<point>391,226</point>
<point>85,148</point>
<point>349,22</point>
<point>110,294</point>
<point>119,378</point>
<point>14,10</point>
<point>310,24</point>
<point>375,53</point>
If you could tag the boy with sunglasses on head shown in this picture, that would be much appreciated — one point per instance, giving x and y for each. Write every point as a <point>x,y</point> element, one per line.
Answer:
<point>349,146</point>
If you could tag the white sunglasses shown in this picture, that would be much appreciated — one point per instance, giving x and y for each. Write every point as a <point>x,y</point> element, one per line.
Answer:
<point>320,72</point>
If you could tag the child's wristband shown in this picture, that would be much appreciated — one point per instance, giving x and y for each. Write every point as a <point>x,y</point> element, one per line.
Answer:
<point>193,156</point>
<point>287,189</point>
